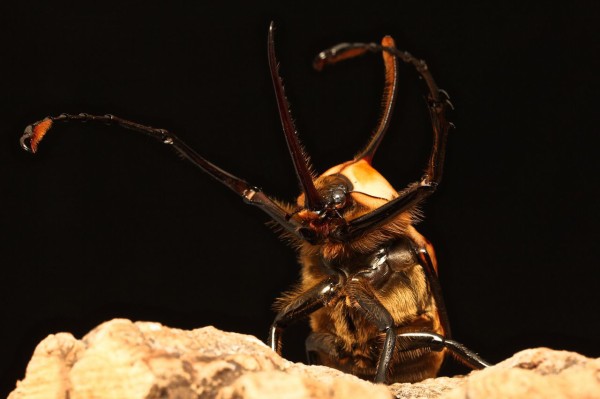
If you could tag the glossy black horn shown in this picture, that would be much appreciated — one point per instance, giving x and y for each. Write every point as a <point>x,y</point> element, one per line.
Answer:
<point>313,200</point>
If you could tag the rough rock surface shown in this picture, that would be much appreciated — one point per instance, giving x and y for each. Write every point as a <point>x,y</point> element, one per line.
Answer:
<point>122,359</point>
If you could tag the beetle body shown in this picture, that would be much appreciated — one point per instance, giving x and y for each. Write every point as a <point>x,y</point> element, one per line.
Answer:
<point>383,263</point>
<point>369,279</point>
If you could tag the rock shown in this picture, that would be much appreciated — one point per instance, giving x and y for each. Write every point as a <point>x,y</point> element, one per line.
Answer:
<point>535,373</point>
<point>122,359</point>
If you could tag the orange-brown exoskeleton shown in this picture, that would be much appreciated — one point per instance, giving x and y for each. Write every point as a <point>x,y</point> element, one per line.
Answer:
<point>369,279</point>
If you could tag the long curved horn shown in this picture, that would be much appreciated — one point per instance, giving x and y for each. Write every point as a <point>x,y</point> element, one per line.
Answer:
<point>313,200</point>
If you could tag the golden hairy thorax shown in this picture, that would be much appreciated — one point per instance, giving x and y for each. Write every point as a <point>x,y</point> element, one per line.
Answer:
<point>405,295</point>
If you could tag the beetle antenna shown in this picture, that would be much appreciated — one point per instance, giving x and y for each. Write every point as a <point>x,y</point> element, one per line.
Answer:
<point>299,158</point>
<point>368,195</point>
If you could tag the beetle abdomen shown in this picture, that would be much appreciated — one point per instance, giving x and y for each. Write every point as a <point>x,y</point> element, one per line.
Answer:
<point>348,333</point>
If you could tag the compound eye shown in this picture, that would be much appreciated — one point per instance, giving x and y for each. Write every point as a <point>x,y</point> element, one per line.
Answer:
<point>338,197</point>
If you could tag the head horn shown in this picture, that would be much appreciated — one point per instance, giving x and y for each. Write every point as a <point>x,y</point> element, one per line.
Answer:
<point>313,200</point>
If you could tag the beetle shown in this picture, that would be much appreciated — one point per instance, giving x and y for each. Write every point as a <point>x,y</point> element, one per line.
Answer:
<point>369,280</point>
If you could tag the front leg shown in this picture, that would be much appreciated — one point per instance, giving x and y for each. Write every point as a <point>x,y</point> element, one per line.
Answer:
<point>299,307</point>
<point>252,195</point>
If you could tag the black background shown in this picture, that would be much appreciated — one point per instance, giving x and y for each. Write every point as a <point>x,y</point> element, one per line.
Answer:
<point>104,223</point>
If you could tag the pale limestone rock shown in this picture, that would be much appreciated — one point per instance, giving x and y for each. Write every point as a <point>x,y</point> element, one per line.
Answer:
<point>122,359</point>
<point>430,388</point>
<point>535,373</point>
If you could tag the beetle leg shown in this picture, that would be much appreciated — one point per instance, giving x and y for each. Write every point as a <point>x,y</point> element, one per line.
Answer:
<point>438,102</point>
<point>389,92</point>
<point>300,307</point>
<point>424,251</point>
<point>417,191</point>
<point>437,342</point>
<point>364,300</point>
<point>252,195</point>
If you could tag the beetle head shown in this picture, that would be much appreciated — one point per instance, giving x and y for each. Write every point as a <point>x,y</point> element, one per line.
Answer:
<point>346,191</point>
